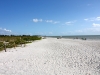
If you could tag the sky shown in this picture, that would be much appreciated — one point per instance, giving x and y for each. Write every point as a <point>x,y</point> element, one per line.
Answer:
<point>50,17</point>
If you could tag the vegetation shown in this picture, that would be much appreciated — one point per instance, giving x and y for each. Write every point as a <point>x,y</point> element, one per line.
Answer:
<point>1,46</point>
<point>14,40</point>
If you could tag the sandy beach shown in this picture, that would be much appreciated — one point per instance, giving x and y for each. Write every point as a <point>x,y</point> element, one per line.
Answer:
<point>52,56</point>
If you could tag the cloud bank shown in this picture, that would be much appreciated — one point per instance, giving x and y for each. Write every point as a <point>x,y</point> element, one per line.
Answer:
<point>47,21</point>
<point>93,19</point>
<point>37,20</point>
<point>5,31</point>
<point>70,22</point>
<point>96,25</point>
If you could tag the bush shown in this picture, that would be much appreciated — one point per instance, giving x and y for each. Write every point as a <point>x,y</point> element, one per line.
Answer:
<point>1,46</point>
<point>11,44</point>
<point>16,40</point>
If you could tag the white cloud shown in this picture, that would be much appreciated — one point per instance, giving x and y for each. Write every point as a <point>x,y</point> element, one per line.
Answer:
<point>70,22</point>
<point>88,31</point>
<point>98,18</point>
<point>86,19</point>
<point>5,31</point>
<point>49,21</point>
<point>92,29</point>
<point>37,20</point>
<point>96,25</point>
<point>89,19</point>
<point>93,19</point>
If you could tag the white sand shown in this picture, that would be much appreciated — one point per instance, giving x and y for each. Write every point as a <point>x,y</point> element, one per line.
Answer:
<point>52,56</point>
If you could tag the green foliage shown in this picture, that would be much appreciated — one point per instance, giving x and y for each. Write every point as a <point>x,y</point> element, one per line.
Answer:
<point>26,39</point>
<point>11,44</point>
<point>1,43</point>
<point>1,46</point>
<point>16,40</point>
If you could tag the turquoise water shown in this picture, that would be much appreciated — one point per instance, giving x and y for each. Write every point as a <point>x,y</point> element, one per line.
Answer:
<point>88,37</point>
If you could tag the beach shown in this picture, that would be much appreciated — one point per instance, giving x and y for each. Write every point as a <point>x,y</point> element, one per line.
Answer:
<point>52,56</point>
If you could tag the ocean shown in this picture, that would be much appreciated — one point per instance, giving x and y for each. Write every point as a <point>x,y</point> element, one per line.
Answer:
<point>87,37</point>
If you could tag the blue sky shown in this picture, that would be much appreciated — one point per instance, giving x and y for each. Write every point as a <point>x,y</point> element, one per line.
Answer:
<point>50,17</point>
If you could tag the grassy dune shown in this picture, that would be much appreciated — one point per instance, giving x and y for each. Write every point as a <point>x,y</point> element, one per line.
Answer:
<point>14,40</point>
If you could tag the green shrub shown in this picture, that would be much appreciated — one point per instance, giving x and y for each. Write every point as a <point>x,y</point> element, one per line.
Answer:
<point>1,46</point>
<point>16,40</point>
<point>11,44</point>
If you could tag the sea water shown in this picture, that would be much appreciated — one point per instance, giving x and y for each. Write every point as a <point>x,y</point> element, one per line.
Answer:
<point>87,37</point>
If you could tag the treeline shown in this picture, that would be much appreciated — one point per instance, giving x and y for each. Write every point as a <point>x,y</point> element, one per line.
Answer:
<point>15,40</point>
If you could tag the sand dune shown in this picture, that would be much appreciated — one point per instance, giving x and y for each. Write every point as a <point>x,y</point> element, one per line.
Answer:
<point>52,56</point>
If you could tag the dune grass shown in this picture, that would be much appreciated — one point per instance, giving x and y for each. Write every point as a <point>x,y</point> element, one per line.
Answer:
<point>14,40</point>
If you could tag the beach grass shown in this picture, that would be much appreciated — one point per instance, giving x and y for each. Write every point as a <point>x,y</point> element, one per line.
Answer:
<point>14,41</point>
